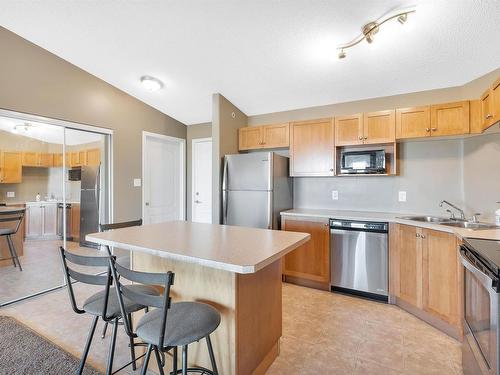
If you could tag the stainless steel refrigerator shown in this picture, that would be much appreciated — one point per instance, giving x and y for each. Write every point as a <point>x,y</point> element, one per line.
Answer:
<point>256,187</point>
<point>89,203</point>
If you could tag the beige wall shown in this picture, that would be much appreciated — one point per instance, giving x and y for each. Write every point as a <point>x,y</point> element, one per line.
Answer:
<point>35,81</point>
<point>193,132</point>
<point>226,120</point>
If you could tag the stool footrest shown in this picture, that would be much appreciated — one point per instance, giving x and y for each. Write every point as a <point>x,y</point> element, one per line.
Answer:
<point>195,370</point>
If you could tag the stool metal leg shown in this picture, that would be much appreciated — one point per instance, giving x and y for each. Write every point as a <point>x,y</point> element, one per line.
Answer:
<point>104,329</point>
<point>132,345</point>
<point>146,360</point>
<point>184,359</point>
<point>111,354</point>
<point>158,360</point>
<point>174,360</point>
<point>211,354</point>
<point>11,245</point>
<point>11,253</point>
<point>87,345</point>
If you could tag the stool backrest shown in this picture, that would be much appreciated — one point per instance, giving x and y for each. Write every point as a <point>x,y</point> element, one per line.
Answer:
<point>165,280</point>
<point>14,215</point>
<point>92,279</point>
<point>123,224</point>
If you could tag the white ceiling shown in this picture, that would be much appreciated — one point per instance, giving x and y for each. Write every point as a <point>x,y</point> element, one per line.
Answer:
<point>263,55</point>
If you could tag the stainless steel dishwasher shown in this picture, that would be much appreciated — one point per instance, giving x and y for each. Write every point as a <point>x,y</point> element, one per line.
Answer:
<point>359,258</point>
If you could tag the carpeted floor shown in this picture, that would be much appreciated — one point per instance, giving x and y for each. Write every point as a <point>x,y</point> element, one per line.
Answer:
<point>23,351</point>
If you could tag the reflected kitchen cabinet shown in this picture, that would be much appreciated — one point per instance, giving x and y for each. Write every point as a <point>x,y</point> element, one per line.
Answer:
<point>93,157</point>
<point>78,158</point>
<point>11,171</point>
<point>41,220</point>
<point>46,160</point>
<point>31,159</point>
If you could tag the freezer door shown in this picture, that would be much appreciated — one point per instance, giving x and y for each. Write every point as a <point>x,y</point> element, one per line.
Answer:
<point>248,208</point>
<point>89,179</point>
<point>89,216</point>
<point>248,171</point>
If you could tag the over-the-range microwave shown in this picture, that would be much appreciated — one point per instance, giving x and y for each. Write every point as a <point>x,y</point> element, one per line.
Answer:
<point>366,161</point>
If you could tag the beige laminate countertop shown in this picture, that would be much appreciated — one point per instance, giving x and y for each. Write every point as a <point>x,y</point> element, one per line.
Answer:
<point>490,234</point>
<point>225,247</point>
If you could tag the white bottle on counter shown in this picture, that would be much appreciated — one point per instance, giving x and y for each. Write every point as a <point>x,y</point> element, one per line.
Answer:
<point>497,216</point>
<point>37,197</point>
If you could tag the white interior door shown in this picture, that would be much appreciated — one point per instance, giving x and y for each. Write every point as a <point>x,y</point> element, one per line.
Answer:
<point>202,180</point>
<point>163,176</point>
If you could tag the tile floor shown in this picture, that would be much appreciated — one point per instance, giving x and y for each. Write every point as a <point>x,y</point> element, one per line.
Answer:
<point>323,333</point>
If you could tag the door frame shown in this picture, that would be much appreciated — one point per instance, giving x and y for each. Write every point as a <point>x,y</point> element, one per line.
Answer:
<point>182,180</point>
<point>193,142</point>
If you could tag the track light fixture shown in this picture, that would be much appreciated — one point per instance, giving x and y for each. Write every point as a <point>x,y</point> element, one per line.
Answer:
<point>369,30</point>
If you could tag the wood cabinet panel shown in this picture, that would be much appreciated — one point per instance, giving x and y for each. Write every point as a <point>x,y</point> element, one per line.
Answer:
<point>78,158</point>
<point>93,157</point>
<point>30,159</point>
<point>410,265</point>
<point>413,122</point>
<point>46,160</point>
<point>450,119</point>
<point>487,115</point>
<point>379,127</point>
<point>58,160</point>
<point>312,148</point>
<point>11,171</point>
<point>349,130</point>
<point>249,138</point>
<point>75,221</point>
<point>276,136</point>
<point>440,275</point>
<point>495,100</point>
<point>310,261</point>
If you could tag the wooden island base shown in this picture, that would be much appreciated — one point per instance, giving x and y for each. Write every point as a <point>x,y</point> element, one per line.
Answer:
<point>247,340</point>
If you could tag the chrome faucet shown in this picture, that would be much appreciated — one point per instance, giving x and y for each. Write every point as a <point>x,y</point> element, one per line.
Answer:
<point>462,214</point>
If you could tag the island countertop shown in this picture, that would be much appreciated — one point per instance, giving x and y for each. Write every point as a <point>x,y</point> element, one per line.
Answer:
<point>230,248</point>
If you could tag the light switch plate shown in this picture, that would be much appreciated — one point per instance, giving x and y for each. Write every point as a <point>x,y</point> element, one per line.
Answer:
<point>402,196</point>
<point>11,194</point>
<point>335,195</point>
<point>137,182</point>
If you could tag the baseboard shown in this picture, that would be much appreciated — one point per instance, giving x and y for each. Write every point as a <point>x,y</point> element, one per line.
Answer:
<point>306,283</point>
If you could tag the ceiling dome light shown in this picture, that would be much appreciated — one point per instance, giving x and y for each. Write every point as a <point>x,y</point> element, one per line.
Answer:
<point>151,83</point>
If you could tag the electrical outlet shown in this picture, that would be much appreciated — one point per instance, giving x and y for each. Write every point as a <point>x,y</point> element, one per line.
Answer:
<point>137,182</point>
<point>335,195</point>
<point>11,194</point>
<point>402,196</point>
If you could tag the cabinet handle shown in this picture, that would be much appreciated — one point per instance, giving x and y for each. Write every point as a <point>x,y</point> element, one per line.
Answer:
<point>427,129</point>
<point>360,138</point>
<point>422,236</point>
<point>366,138</point>
<point>417,235</point>
<point>331,169</point>
<point>434,129</point>
<point>488,116</point>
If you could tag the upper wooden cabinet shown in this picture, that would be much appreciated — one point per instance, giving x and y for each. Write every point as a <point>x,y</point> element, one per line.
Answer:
<point>495,100</point>
<point>349,130</point>
<point>450,118</point>
<point>78,158</point>
<point>413,122</point>
<point>93,157</point>
<point>490,105</point>
<point>46,160</point>
<point>312,149</point>
<point>266,136</point>
<point>10,167</point>
<point>379,127</point>
<point>310,261</point>
<point>37,159</point>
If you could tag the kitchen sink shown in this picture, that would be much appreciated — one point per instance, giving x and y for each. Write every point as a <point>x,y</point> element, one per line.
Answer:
<point>426,219</point>
<point>469,225</point>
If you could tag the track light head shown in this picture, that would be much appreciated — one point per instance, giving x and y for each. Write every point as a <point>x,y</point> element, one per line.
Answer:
<point>403,18</point>
<point>341,54</point>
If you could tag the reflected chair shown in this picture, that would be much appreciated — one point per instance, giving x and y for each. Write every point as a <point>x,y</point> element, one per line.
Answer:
<point>16,217</point>
<point>103,304</point>
<point>169,325</point>
<point>124,260</point>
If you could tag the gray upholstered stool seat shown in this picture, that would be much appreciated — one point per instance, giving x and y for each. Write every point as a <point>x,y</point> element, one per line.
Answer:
<point>94,304</point>
<point>6,231</point>
<point>187,322</point>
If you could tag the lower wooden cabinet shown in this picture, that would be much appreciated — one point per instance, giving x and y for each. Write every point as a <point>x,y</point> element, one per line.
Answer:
<point>311,261</point>
<point>426,266</point>
<point>75,221</point>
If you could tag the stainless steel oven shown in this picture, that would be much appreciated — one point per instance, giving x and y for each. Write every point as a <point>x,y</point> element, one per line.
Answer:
<point>480,350</point>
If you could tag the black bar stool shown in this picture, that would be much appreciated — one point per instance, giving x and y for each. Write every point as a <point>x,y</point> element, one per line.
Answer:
<point>169,325</point>
<point>103,304</point>
<point>15,216</point>
<point>124,260</point>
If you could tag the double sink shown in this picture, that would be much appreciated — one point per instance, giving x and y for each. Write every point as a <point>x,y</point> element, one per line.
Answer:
<point>458,223</point>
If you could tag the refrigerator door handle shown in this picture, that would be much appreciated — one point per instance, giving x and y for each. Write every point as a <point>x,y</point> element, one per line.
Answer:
<point>270,210</point>
<point>225,205</point>
<point>224,175</point>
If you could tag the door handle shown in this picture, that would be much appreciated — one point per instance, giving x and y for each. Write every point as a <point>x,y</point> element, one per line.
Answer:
<point>147,203</point>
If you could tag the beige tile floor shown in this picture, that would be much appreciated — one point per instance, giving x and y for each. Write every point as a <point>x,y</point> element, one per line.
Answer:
<point>323,333</point>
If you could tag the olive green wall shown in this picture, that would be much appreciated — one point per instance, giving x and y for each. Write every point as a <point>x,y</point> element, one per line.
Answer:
<point>36,81</point>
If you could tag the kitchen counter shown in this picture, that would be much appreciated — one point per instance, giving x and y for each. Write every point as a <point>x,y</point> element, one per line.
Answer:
<point>228,267</point>
<point>490,234</point>
<point>18,238</point>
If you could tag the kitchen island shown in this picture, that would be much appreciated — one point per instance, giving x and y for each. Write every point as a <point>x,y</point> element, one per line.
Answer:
<point>235,269</point>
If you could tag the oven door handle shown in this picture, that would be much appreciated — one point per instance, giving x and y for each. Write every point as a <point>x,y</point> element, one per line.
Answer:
<point>485,280</point>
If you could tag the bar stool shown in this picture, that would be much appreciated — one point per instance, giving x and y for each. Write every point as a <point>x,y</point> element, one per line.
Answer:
<point>14,215</point>
<point>103,304</point>
<point>124,260</point>
<point>169,325</point>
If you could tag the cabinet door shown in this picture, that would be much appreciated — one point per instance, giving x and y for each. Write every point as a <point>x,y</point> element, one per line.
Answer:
<point>49,212</point>
<point>487,109</point>
<point>11,171</point>
<point>276,136</point>
<point>495,100</point>
<point>46,160</point>
<point>413,122</point>
<point>94,157</point>
<point>349,130</point>
<point>410,265</point>
<point>310,261</point>
<point>312,148</point>
<point>440,287</point>
<point>58,160</point>
<point>379,127</point>
<point>31,159</point>
<point>450,119</point>
<point>78,158</point>
<point>75,221</point>
<point>250,138</point>
<point>33,221</point>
